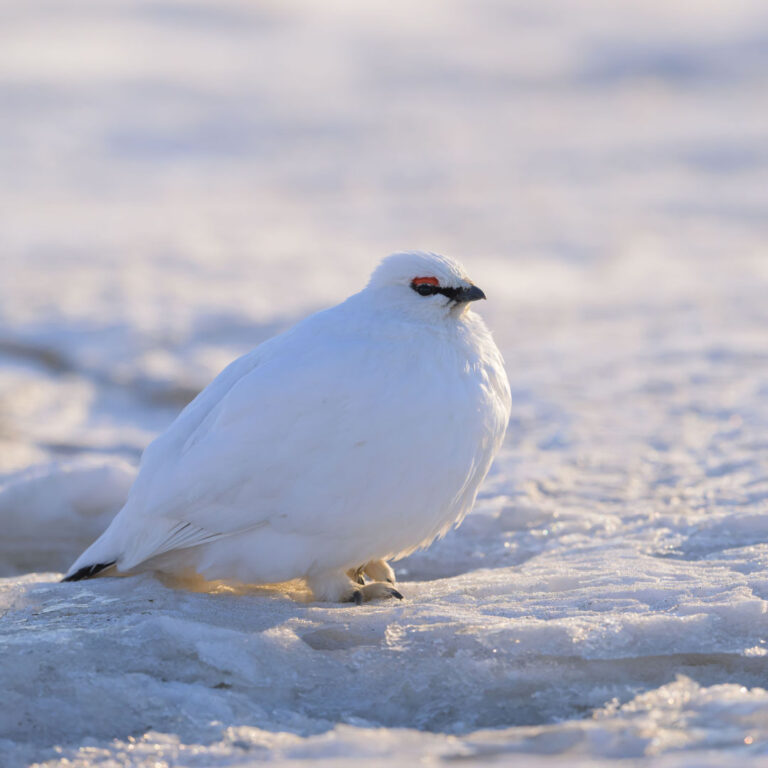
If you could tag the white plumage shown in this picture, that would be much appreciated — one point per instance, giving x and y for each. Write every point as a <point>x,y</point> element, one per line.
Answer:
<point>359,435</point>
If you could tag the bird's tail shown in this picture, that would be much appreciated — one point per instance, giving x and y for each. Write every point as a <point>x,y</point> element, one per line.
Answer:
<point>102,554</point>
<point>88,571</point>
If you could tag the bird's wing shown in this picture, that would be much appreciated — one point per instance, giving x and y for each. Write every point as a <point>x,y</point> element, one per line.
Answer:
<point>165,528</point>
<point>229,464</point>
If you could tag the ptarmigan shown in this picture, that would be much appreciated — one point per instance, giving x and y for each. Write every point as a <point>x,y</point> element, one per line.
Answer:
<point>357,436</point>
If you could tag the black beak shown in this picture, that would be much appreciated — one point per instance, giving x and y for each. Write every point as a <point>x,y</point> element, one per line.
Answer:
<point>473,293</point>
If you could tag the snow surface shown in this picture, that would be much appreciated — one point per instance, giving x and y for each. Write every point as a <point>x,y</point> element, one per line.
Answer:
<point>181,180</point>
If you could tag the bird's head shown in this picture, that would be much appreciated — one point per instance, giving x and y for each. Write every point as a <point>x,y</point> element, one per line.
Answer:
<point>424,286</point>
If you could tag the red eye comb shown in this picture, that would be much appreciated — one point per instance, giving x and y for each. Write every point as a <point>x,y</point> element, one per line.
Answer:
<point>425,281</point>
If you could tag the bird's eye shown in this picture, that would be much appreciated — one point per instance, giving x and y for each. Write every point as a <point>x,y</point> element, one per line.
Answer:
<point>425,286</point>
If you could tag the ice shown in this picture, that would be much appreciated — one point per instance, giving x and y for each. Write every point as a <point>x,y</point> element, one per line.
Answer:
<point>564,661</point>
<point>184,180</point>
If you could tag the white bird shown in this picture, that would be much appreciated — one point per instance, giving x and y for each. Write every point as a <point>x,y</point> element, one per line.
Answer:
<point>357,436</point>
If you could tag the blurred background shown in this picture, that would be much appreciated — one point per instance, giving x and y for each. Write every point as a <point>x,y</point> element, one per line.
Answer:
<point>180,180</point>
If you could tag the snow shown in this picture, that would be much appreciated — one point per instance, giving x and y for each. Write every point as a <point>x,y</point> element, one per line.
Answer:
<point>183,181</point>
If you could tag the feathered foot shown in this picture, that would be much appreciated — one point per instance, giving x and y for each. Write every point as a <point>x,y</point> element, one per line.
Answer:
<point>339,587</point>
<point>375,570</point>
<point>379,570</point>
<point>376,590</point>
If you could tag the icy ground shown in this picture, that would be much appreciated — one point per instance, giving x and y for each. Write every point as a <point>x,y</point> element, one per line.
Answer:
<point>181,180</point>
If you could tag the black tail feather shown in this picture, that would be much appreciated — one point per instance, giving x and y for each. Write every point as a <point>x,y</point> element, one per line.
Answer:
<point>88,571</point>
